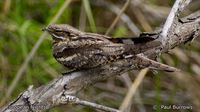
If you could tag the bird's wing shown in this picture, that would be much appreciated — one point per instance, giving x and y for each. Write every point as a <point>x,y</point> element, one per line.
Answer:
<point>123,49</point>
<point>143,38</point>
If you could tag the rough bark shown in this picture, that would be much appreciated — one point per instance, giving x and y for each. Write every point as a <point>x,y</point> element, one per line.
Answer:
<point>62,89</point>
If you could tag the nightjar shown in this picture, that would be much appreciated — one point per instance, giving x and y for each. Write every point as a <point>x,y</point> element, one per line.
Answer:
<point>81,50</point>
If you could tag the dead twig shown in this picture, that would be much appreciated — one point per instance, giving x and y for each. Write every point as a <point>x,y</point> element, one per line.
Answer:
<point>118,16</point>
<point>132,90</point>
<point>172,19</point>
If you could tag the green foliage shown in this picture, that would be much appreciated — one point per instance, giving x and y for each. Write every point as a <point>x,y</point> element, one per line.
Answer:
<point>90,15</point>
<point>120,31</point>
<point>21,28</point>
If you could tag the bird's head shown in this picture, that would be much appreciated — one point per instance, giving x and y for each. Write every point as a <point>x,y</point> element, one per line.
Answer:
<point>62,32</point>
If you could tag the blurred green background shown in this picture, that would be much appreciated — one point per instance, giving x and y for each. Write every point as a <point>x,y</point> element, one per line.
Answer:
<point>21,22</point>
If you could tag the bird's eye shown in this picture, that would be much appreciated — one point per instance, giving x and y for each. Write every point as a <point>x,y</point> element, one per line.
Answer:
<point>58,35</point>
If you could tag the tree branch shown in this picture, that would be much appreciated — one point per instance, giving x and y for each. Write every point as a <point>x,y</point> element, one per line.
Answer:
<point>173,17</point>
<point>51,95</point>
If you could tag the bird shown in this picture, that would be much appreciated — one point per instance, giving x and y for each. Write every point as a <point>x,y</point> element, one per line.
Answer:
<point>78,50</point>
